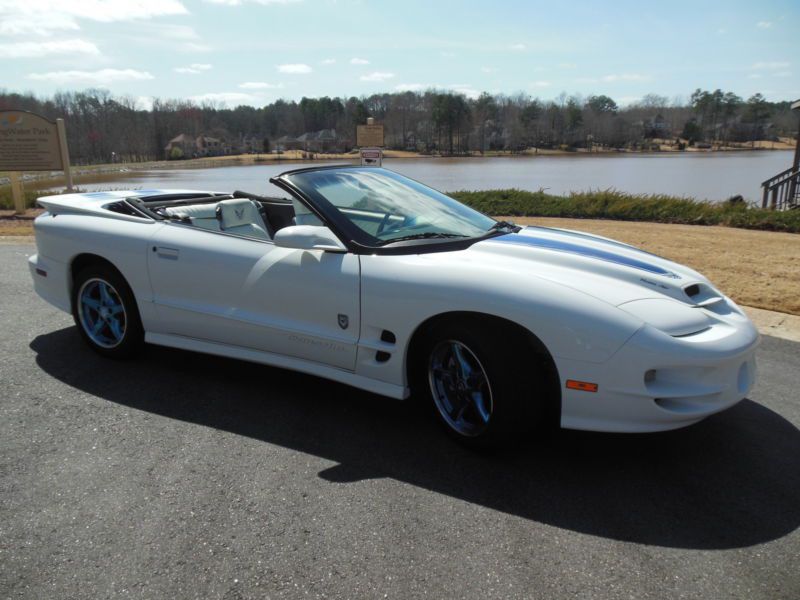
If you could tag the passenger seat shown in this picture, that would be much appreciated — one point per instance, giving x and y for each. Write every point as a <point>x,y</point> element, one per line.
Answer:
<point>242,217</point>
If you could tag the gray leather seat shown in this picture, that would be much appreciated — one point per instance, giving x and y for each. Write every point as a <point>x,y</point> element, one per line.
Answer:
<point>241,216</point>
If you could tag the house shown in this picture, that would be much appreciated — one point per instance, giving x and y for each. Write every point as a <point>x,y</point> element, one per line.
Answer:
<point>210,146</point>
<point>187,146</point>
<point>287,142</point>
<point>181,146</point>
<point>324,140</point>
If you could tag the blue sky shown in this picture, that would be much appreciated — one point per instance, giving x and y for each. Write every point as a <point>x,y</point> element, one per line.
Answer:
<point>255,51</point>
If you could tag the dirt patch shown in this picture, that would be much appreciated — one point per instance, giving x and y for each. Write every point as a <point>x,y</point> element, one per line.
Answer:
<point>16,227</point>
<point>755,268</point>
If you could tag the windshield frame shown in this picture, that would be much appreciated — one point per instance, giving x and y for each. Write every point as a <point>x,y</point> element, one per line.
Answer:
<point>359,241</point>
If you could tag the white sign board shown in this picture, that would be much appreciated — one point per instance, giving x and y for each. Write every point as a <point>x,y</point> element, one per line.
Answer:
<point>371,157</point>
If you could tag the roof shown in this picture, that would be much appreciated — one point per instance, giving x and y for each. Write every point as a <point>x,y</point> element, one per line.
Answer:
<point>182,138</point>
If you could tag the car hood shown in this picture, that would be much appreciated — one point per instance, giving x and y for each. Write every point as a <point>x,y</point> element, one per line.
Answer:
<point>608,270</point>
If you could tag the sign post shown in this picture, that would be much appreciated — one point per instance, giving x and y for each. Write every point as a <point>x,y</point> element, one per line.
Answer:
<point>16,192</point>
<point>62,145</point>
<point>30,142</point>
<point>369,139</point>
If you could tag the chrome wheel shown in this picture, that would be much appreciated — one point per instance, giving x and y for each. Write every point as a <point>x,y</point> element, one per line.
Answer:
<point>102,313</point>
<point>460,388</point>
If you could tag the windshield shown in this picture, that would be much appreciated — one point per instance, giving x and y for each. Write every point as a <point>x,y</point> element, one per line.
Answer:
<point>388,207</point>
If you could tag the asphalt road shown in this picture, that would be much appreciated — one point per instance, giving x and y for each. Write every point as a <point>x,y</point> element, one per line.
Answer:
<point>179,475</point>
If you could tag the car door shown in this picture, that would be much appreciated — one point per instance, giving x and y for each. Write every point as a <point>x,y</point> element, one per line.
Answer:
<point>250,293</point>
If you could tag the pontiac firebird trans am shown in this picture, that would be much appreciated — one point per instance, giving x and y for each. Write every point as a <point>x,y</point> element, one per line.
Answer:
<point>374,280</point>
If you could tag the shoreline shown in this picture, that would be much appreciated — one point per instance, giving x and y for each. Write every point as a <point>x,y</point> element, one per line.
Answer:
<point>109,171</point>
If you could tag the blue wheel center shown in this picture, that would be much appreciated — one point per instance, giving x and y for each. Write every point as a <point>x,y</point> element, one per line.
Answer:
<point>102,313</point>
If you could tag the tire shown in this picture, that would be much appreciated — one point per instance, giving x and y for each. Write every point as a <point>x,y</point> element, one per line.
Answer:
<point>504,389</point>
<point>105,312</point>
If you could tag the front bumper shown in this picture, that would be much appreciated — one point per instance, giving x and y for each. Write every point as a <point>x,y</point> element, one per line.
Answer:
<point>657,382</point>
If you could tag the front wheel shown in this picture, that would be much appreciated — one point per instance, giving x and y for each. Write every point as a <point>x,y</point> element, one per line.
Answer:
<point>485,383</point>
<point>105,312</point>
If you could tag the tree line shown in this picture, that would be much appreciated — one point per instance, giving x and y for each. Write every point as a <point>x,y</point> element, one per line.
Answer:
<point>101,126</point>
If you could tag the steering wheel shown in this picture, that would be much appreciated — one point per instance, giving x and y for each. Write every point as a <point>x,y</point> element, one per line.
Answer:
<point>385,222</point>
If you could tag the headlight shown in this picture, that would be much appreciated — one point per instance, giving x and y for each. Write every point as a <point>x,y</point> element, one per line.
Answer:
<point>669,316</point>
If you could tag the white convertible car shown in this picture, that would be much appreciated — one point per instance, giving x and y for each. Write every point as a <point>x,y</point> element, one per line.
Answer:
<point>374,280</point>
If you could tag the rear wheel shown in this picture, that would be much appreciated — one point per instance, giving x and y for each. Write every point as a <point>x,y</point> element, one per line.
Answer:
<point>484,381</point>
<point>105,312</point>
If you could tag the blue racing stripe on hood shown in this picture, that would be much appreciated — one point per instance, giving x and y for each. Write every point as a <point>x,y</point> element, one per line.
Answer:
<point>562,246</point>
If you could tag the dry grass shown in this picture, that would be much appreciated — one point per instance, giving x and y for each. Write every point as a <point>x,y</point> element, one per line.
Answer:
<point>755,268</point>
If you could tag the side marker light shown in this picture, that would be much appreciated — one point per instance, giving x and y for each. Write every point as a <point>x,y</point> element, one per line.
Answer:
<point>583,386</point>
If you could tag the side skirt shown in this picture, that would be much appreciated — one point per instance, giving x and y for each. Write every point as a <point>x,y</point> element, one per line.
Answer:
<point>276,360</point>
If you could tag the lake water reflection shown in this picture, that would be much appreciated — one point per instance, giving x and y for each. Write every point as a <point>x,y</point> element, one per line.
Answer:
<point>712,176</point>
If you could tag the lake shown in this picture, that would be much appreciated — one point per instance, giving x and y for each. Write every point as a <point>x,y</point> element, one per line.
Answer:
<point>712,176</point>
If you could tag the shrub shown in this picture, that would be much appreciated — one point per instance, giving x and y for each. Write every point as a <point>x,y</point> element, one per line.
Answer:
<point>611,204</point>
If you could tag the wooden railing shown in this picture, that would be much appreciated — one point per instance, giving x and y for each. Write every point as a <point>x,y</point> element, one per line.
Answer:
<point>782,192</point>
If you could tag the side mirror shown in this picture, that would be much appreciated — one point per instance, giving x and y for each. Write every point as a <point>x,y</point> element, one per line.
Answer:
<point>308,237</point>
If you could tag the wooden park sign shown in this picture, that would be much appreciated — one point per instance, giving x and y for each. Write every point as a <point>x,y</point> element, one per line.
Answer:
<point>29,142</point>
<point>369,136</point>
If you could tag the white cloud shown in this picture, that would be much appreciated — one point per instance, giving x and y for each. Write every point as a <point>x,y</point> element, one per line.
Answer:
<point>754,76</point>
<point>240,2</point>
<point>411,87</point>
<point>625,77</point>
<point>180,38</point>
<point>328,61</point>
<point>449,54</point>
<point>260,85</point>
<point>518,47</point>
<point>764,24</point>
<point>144,103</point>
<point>722,31</point>
<point>100,77</point>
<point>359,61</point>
<point>540,84</point>
<point>43,17</point>
<point>488,70</point>
<point>227,98</point>
<point>193,69</point>
<point>377,76</point>
<point>567,65</point>
<point>782,74</point>
<point>295,69</point>
<point>172,32</point>
<point>194,47</point>
<point>36,49</point>
<point>770,66</point>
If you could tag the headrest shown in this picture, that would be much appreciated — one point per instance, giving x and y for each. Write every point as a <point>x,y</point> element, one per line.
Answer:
<point>195,211</point>
<point>233,213</point>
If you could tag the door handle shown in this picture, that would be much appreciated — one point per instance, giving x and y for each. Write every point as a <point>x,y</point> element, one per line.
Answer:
<point>164,252</point>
